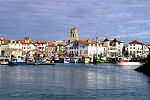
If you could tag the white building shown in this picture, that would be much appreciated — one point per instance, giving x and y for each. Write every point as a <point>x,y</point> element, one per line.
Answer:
<point>114,48</point>
<point>28,48</point>
<point>41,47</point>
<point>11,47</point>
<point>79,48</point>
<point>137,49</point>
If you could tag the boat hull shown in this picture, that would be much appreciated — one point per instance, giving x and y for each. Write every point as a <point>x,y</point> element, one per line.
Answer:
<point>66,61</point>
<point>129,63</point>
<point>41,64</point>
<point>4,63</point>
<point>17,63</point>
<point>99,61</point>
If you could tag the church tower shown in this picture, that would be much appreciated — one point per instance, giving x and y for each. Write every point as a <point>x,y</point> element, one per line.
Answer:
<point>73,35</point>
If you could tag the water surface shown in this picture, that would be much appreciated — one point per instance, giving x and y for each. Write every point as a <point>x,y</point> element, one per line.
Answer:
<point>73,82</point>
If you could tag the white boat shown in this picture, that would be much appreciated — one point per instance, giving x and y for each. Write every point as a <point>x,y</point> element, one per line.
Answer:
<point>4,63</point>
<point>66,60</point>
<point>75,60</point>
<point>86,60</point>
<point>127,62</point>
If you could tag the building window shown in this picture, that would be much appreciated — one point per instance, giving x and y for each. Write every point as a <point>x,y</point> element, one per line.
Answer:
<point>130,52</point>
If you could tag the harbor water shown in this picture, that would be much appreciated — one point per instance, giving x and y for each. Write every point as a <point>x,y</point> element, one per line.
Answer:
<point>73,82</point>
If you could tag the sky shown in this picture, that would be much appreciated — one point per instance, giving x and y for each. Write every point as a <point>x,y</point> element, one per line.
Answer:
<point>52,20</point>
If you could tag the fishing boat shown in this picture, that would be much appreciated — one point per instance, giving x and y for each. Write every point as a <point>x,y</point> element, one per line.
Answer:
<point>101,59</point>
<point>41,64</point>
<point>128,62</point>
<point>66,60</point>
<point>17,61</point>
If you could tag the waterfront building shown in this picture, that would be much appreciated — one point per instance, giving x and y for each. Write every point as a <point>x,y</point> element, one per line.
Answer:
<point>77,48</point>
<point>41,47</point>
<point>114,48</point>
<point>137,49</point>
<point>80,48</point>
<point>11,47</point>
<point>61,50</point>
<point>51,50</point>
<point>28,48</point>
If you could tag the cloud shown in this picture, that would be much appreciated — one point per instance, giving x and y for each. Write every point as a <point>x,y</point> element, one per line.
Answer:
<point>141,5</point>
<point>53,19</point>
<point>120,15</point>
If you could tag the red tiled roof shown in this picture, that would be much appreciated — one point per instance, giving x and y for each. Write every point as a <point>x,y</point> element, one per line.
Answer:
<point>6,41</point>
<point>61,45</point>
<point>135,42</point>
<point>41,42</point>
<point>82,41</point>
<point>23,42</point>
<point>1,39</point>
<point>34,42</point>
<point>51,45</point>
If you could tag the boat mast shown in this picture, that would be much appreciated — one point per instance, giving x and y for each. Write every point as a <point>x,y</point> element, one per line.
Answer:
<point>96,47</point>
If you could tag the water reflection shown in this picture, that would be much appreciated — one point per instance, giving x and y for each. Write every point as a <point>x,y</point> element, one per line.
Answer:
<point>72,82</point>
<point>129,67</point>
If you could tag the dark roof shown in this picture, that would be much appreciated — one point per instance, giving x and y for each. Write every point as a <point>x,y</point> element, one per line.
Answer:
<point>106,39</point>
<point>115,40</point>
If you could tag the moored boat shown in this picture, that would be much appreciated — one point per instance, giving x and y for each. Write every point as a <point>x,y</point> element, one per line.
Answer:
<point>86,60</point>
<point>101,59</point>
<point>66,60</point>
<point>128,62</point>
<point>41,64</point>
<point>4,63</point>
<point>17,63</point>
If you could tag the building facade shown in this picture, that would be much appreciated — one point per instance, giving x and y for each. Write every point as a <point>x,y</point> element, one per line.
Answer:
<point>137,49</point>
<point>114,48</point>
